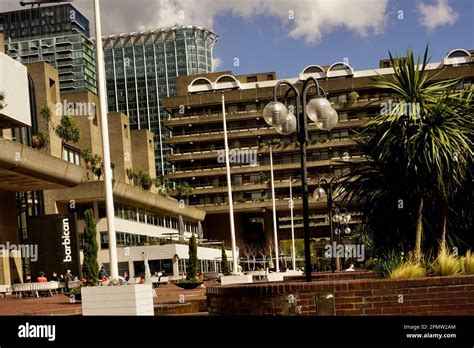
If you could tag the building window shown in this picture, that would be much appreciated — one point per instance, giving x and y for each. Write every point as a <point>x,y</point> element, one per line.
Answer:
<point>72,155</point>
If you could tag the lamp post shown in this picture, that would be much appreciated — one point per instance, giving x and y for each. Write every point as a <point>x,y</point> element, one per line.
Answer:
<point>342,218</point>
<point>338,217</point>
<point>320,111</point>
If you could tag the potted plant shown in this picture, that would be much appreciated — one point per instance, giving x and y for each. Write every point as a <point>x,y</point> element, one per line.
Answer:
<point>39,141</point>
<point>353,97</point>
<point>145,181</point>
<point>192,280</point>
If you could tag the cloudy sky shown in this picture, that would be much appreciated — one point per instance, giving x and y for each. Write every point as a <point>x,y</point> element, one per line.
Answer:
<point>287,35</point>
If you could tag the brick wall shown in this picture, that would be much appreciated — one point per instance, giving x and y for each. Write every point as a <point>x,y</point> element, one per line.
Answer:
<point>335,276</point>
<point>422,296</point>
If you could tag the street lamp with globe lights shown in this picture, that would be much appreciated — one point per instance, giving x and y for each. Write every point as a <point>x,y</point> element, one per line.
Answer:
<point>340,216</point>
<point>288,120</point>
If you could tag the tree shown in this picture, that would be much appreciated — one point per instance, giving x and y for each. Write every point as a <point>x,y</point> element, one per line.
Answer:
<point>193,259</point>
<point>92,161</point>
<point>225,262</point>
<point>90,265</point>
<point>67,131</point>
<point>410,146</point>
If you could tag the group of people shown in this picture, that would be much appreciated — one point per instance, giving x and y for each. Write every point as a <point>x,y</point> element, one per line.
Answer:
<point>55,277</point>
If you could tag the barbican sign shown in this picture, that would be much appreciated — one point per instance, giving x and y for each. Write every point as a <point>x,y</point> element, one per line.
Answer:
<point>58,247</point>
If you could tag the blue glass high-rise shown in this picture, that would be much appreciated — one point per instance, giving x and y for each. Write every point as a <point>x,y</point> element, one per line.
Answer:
<point>141,69</point>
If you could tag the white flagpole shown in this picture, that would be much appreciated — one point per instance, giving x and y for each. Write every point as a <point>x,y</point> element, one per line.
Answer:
<point>275,234</point>
<point>109,200</point>
<point>229,190</point>
<point>293,251</point>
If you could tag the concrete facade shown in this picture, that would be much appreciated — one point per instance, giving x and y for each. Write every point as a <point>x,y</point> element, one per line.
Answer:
<point>197,142</point>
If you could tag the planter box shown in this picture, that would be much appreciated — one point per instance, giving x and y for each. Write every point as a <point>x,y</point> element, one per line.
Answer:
<point>276,276</point>
<point>130,299</point>
<point>237,279</point>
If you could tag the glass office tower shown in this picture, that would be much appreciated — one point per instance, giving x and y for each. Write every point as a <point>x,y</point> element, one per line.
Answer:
<point>141,69</point>
<point>58,35</point>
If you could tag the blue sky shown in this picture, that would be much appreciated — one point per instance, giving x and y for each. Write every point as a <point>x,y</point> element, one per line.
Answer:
<point>261,34</point>
<point>262,43</point>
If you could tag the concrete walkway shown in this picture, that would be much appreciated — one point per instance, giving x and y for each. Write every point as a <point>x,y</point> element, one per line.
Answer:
<point>60,304</point>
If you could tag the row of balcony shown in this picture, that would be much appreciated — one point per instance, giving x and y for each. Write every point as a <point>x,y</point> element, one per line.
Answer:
<point>196,118</point>
<point>246,169</point>
<point>281,148</point>
<point>247,132</point>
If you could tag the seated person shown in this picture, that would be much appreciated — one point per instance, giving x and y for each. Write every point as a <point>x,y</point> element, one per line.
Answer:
<point>41,278</point>
<point>55,277</point>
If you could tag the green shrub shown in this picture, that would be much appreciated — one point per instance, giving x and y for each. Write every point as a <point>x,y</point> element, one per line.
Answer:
<point>388,263</point>
<point>408,269</point>
<point>90,265</point>
<point>225,263</point>
<point>468,263</point>
<point>193,259</point>
<point>447,264</point>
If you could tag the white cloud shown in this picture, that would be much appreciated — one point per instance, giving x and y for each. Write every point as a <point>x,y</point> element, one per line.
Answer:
<point>439,14</point>
<point>309,20</point>
<point>216,63</point>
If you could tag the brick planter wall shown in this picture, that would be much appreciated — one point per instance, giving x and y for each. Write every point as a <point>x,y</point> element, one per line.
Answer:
<point>423,296</point>
<point>335,276</point>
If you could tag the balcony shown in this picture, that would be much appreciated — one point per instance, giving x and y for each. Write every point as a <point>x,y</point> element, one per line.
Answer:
<point>63,56</point>
<point>63,41</point>
<point>212,118</point>
<point>65,63</point>
<point>209,154</point>
<point>248,132</point>
<point>220,169</point>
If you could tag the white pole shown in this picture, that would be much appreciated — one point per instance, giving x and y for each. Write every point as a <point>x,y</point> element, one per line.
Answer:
<point>275,234</point>
<point>229,190</point>
<point>293,251</point>
<point>109,200</point>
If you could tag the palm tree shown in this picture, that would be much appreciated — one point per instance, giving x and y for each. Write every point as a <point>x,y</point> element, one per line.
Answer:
<point>410,148</point>
<point>444,143</point>
<point>67,131</point>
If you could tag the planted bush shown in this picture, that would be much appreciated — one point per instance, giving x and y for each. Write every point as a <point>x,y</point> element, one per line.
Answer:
<point>447,264</point>
<point>468,263</point>
<point>389,262</point>
<point>408,269</point>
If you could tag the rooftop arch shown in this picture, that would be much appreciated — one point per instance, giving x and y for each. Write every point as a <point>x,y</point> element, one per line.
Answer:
<point>458,53</point>
<point>200,81</point>
<point>226,78</point>
<point>311,69</point>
